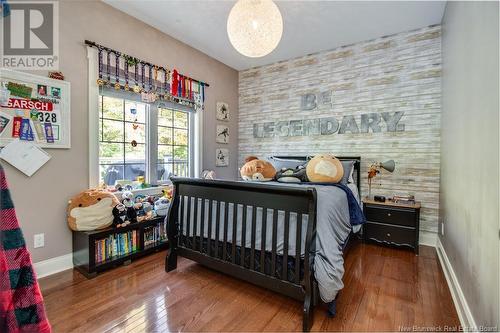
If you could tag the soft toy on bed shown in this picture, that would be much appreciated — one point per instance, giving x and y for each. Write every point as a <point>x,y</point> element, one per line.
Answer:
<point>257,170</point>
<point>91,210</point>
<point>324,168</point>
<point>289,175</point>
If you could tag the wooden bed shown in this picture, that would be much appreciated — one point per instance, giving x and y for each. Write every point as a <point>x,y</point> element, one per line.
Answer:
<point>289,275</point>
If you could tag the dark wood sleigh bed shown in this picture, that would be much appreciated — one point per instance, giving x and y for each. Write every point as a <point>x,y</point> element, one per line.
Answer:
<point>202,203</point>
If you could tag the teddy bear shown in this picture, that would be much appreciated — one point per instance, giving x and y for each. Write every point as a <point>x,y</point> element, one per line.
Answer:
<point>91,210</point>
<point>324,168</point>
<point>257,170</point>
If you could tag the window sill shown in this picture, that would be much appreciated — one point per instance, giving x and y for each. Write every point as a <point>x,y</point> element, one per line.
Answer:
<point>144,191</point>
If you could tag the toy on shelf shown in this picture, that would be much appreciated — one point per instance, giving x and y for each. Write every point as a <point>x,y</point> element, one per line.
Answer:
<point>161,206</point>
<point>127,201</point>
<point>168,193</point>
<point>120,216</point>
<point>91,210</point>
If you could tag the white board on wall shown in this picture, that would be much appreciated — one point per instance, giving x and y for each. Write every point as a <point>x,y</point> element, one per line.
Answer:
<point>47,100</point>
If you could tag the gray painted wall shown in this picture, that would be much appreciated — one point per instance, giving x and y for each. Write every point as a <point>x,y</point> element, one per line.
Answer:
<point>398,73</point>
<point>469,158</point>
<point>41,200</point>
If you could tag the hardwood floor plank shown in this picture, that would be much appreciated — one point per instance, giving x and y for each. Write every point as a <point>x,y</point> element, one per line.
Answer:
<point>385,289</point>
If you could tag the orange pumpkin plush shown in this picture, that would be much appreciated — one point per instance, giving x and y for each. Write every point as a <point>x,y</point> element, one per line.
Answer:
<point>324,169</point>
<point>257,170</point>
<point>91,210</point>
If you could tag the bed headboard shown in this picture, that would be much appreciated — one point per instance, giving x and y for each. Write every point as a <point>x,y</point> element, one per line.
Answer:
<point>357,165</point>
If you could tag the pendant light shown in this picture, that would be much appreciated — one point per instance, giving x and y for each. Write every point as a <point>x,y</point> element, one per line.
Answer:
<point>255,27</point>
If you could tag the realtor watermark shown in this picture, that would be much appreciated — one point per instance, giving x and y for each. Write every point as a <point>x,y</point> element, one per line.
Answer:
<point>30,35</point>
<point>445,328</point>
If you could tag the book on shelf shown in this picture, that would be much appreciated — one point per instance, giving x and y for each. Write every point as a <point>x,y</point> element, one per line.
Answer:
<point>118,244</point>
<point>155,234</point>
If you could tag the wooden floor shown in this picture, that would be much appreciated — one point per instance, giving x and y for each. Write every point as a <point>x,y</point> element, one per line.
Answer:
<point>385,290</point>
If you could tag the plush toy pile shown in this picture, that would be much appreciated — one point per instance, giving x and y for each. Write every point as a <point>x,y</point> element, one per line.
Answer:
<point>322,168</point>
<point>97,209</point>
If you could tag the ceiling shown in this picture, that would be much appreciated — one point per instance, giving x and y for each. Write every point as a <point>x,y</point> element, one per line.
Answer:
<point>309,26</point>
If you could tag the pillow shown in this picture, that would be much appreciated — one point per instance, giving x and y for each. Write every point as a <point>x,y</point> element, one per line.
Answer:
<point>286,163</point>
<point>348,171</point>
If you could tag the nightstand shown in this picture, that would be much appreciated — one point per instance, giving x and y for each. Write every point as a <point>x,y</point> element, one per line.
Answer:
<point>392,223</point>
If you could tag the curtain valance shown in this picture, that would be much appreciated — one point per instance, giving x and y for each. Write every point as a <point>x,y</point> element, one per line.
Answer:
<point>153,83</point>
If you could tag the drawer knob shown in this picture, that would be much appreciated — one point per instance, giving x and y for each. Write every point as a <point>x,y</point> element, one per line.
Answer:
<point>388,234</point>
<point>389,214</point>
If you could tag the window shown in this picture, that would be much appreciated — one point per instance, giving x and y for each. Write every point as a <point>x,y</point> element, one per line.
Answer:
<point>173,142</point>
<point>138,139</point>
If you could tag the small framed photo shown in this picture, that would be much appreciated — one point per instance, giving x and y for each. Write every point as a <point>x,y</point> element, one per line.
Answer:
<point>222,134</point>
<point>55,92</point>
<point>221,157</point>
<point>41,89</point>
<point>222,111</point>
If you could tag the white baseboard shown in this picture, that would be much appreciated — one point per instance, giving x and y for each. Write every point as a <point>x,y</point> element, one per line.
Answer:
<point>464,314</point>
<point>53,265</point>
<point>428,238</point>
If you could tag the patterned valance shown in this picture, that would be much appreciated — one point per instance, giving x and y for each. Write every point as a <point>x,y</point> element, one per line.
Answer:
<point>120,71</point>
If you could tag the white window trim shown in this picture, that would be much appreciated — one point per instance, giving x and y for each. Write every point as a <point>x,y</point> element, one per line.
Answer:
<point>195,136</point>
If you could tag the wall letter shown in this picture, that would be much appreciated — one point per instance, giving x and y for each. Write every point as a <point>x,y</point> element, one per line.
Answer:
<point>348,124</point>
<point>296,128</point>
<point>282,128</point>
<point>370,120</point>
<point>268,130</point>
<point>308,102</point>
<point>311,127</point>
<point>257,131</point>
<point>392,122</point>
<point>326,98</point>
<point>329,126</point>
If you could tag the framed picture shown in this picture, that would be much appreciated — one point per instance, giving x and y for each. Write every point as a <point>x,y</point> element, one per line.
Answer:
<point>221,157</point>
<point>222,134</point>
<point>34,108</point>
<point>222,111</point>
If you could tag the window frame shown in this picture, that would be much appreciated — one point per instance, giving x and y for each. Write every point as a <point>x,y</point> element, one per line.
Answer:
<point>194,132</point>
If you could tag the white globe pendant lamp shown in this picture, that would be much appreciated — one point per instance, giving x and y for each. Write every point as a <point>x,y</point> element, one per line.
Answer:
<point>255,27</point>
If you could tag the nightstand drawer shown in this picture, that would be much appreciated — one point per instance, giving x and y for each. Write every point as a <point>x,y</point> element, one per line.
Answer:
<point>389,234</point>
<point>391,215</point>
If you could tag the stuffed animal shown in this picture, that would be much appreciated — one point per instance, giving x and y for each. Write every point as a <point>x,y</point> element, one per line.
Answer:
<point>91,210</point>
<point>161,206</point>
<point>289,175</point>
<point>120,216</point>
<point>168,193</point>
<point>324,169</point>
<point>257,170</point>
<point>128,202</point>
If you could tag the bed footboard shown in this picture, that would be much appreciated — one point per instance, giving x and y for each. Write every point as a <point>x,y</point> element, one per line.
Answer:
<point>219,223</point>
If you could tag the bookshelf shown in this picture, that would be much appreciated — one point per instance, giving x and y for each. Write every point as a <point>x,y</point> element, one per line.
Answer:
<point>99,250</point>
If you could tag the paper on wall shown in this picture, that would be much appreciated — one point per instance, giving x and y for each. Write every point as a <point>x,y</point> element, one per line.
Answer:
<point>25,156</point>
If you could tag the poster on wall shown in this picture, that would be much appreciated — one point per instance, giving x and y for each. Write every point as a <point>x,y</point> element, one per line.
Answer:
<point>222,111</point>
<point>34,108</point>
<point>221,157</point>
<point>222,134</point>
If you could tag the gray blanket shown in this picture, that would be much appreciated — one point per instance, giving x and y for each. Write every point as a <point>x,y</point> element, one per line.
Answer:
<point>333,227</point>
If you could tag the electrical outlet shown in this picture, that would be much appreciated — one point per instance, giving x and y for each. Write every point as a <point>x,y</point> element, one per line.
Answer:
<point>39,240</point>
